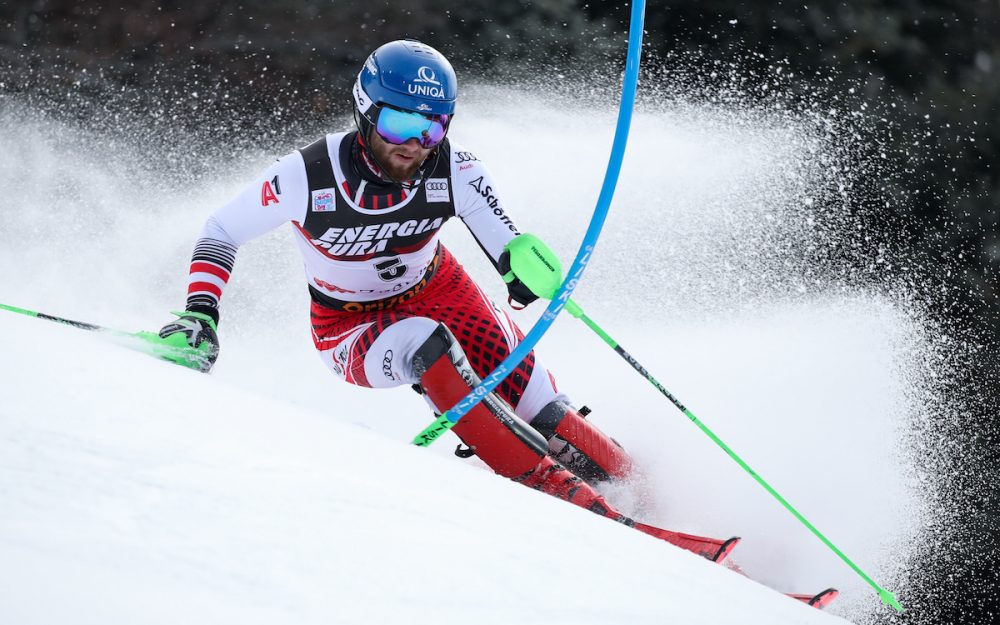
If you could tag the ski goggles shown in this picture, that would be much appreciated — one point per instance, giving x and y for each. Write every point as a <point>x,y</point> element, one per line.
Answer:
<point>398,127</point>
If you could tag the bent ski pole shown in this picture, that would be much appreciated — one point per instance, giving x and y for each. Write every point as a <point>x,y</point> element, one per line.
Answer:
<point>176,351</point>
<point>540,270</point>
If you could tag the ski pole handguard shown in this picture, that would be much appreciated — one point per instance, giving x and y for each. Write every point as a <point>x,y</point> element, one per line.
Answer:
<point>537,267</point>
<point>174,349</point>
<point>178,350</point>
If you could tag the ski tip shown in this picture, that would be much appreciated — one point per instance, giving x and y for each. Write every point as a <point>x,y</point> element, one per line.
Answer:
<point>825,598</point>
<point>725,549</point>
<point>820,600</point>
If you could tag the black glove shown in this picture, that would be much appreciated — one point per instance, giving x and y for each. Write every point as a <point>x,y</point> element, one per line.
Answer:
<point>193,339</point>
<point>517,291</point>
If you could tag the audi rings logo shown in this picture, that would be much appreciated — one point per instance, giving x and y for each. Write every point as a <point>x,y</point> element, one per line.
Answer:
<point>437,190</point>
<point>387,364</point>
<point>464,157</point>
<point>427,75</point>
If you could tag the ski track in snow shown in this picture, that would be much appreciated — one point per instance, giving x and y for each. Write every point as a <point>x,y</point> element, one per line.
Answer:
<point>272,492</point>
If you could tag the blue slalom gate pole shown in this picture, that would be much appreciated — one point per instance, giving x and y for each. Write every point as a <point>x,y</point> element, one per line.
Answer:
<point>450,417</point>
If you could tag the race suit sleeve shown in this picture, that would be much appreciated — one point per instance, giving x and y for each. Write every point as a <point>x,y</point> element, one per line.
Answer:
<point>279,194</point>
<point>479,205</point>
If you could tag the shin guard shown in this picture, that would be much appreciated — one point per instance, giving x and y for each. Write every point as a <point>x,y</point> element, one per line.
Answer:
<point>580,446</point>
<point>503,441</point>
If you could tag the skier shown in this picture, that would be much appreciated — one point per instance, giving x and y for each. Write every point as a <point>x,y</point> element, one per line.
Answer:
<point>390,304</point>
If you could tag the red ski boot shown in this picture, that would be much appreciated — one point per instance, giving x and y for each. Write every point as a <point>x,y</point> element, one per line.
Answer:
<point>579,445</point>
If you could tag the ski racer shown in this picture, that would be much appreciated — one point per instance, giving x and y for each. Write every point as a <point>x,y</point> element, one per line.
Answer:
<point>390,305</point>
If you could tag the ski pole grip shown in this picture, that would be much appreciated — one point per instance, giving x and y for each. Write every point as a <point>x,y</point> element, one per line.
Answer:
<point>534,264</point>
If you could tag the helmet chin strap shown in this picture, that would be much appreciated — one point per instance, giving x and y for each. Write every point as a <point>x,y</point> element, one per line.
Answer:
<point>365,127</point>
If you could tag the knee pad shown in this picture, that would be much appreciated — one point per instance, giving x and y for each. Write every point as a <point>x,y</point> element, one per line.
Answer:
<point>579,445</point>
<point>502,440</point>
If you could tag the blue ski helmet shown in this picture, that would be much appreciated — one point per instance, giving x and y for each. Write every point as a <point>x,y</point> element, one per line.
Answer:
<point>407,75</point>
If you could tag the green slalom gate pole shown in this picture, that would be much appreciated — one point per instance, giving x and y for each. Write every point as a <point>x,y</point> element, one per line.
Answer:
<point>540,270</point>
<point>174,349</point>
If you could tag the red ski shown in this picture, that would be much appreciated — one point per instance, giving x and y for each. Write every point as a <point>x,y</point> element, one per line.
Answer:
<point>715,549</point>
<point>818,601</point>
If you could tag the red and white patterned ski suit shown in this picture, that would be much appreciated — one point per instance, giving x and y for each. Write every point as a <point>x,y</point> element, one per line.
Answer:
<point>379,278</point>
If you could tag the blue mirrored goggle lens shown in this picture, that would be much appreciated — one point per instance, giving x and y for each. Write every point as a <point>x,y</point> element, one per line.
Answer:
<point>398,127</point>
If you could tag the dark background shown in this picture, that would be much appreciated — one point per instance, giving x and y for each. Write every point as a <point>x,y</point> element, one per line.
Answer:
<point>929,68</point>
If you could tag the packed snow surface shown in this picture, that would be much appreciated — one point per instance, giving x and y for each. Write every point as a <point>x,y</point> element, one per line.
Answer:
<point>137,492</point>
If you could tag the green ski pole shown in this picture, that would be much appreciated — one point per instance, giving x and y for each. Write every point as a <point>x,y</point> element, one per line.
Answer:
<point>174,349</point>
<point>540,270</point>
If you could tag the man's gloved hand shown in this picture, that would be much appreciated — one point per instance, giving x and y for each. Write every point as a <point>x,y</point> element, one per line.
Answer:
<point>191,340</point>
<point>517,291</point>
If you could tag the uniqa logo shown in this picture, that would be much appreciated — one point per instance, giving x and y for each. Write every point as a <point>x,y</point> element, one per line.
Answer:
<point>426,84</point>
<point>426,74</point>
<point>425,90</point>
